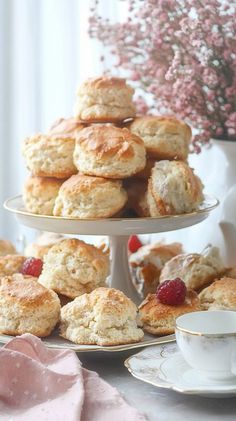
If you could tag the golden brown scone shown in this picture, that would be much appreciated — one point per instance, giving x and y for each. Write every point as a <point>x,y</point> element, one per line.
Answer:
<point>39,194</point>
<point>90,197</point>
<point>221,295</point>
<point>196,270</point>
<point>27,307</point>
<point>159,319</point>
<point>164,137</point>
<point>148,261</point>
<point>49,155</point>
<point>108,151</point>
<point>104,99</point>
<point>103,317</point>
<point>173,189</point>
<point>65,126</point>
<point>42,245</point>
<point>137,196</point>
<point>6,247</point>
<point>72,268</point>
<point>10,264</point>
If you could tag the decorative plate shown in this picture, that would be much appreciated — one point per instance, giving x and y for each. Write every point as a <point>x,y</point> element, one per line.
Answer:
<point>163,366</point>
<point>55,341</point>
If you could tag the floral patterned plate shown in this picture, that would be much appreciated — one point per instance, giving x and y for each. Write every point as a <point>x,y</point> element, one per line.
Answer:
<point>163,366</point>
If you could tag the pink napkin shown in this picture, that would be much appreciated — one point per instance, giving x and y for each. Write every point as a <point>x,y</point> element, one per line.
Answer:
<point>37,383</point>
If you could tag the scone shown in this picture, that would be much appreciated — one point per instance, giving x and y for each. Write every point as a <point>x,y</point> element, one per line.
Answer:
<point>164,137</point>
<point>196,270</point>
<point>42,245</point>
<point>173,189</point>
<point>39,194</point>
<point>6,247</point>
<point>10,264</point>
<point>148,261</point>
<point>104,99</point>
<point>221,295</point>
<point>103,317</point>
<point>90,197</point>
<point>49,155</point>
<point>27,307</point>
<point>65,126</point>
<point>159,319</point>
<point>108,151</point>
<point>72,268</point>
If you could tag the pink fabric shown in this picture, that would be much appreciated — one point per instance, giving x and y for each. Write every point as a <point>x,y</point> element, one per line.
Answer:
<point>37,383</point>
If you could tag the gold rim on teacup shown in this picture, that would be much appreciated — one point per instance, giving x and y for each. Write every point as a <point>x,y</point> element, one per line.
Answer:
<point>208,335</point>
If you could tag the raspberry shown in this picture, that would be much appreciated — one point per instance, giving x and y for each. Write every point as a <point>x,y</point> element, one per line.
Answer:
<point>134,243</point>
<point>172,292</point>
<point>32,267</point>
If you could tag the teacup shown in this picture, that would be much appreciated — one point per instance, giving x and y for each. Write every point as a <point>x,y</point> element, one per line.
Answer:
<point>207,340</point>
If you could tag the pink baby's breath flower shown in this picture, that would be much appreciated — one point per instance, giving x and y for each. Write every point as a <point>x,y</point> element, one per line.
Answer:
<point>182,56</point>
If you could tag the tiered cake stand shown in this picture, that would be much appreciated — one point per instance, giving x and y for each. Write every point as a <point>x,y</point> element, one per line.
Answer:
<point>118,230</point>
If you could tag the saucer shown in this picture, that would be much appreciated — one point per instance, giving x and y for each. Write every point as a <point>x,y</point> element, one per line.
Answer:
<point>164,367</point>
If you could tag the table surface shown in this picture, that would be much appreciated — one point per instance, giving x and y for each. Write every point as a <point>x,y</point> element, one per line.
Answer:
<point>156,404</point>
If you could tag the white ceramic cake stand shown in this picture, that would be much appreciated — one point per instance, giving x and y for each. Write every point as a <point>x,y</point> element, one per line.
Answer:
<point>118,230</point>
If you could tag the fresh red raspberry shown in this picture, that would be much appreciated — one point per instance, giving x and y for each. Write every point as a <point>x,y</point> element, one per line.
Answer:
<point>134,243</point>
<point>172,292</point>
<point>32,267</point>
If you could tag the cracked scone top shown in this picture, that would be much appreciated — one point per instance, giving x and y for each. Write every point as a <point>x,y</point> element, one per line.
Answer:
<point>103,317</point>
<point>72,268</point>
<point>104,99</point>
<point>109,151</point>
<point>27,307</point>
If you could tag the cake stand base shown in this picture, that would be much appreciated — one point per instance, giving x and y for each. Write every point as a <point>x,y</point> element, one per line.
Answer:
<point>120,277</point>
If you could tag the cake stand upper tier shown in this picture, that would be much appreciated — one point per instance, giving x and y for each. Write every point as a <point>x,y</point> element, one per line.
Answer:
<point>118,230</point>
<point>112,226</point>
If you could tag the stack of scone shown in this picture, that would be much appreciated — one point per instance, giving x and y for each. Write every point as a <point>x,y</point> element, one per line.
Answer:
<point>104,162</point>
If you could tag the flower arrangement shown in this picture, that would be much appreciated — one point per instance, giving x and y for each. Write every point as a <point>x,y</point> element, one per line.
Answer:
<point>182,56</point>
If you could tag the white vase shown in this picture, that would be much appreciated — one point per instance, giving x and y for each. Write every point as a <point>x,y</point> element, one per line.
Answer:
<point>227,196</point>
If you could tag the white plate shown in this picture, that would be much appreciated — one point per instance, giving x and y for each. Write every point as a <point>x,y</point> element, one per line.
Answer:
<point>55,341</point>
<point>112,226</point>
<point>163,366</point>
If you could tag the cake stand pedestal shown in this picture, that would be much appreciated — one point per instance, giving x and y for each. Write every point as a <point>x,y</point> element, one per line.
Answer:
<point>118,230</point>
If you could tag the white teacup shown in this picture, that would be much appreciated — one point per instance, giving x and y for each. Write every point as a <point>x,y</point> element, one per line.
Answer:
<point>207,340</point>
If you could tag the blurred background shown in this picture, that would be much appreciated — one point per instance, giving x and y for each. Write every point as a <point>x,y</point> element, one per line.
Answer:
<point>45,53</point>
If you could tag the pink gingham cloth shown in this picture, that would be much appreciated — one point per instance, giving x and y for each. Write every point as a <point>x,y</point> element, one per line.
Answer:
<point>42,384</point>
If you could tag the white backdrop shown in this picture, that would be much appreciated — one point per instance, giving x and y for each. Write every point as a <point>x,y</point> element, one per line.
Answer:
<point>45,53</point>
